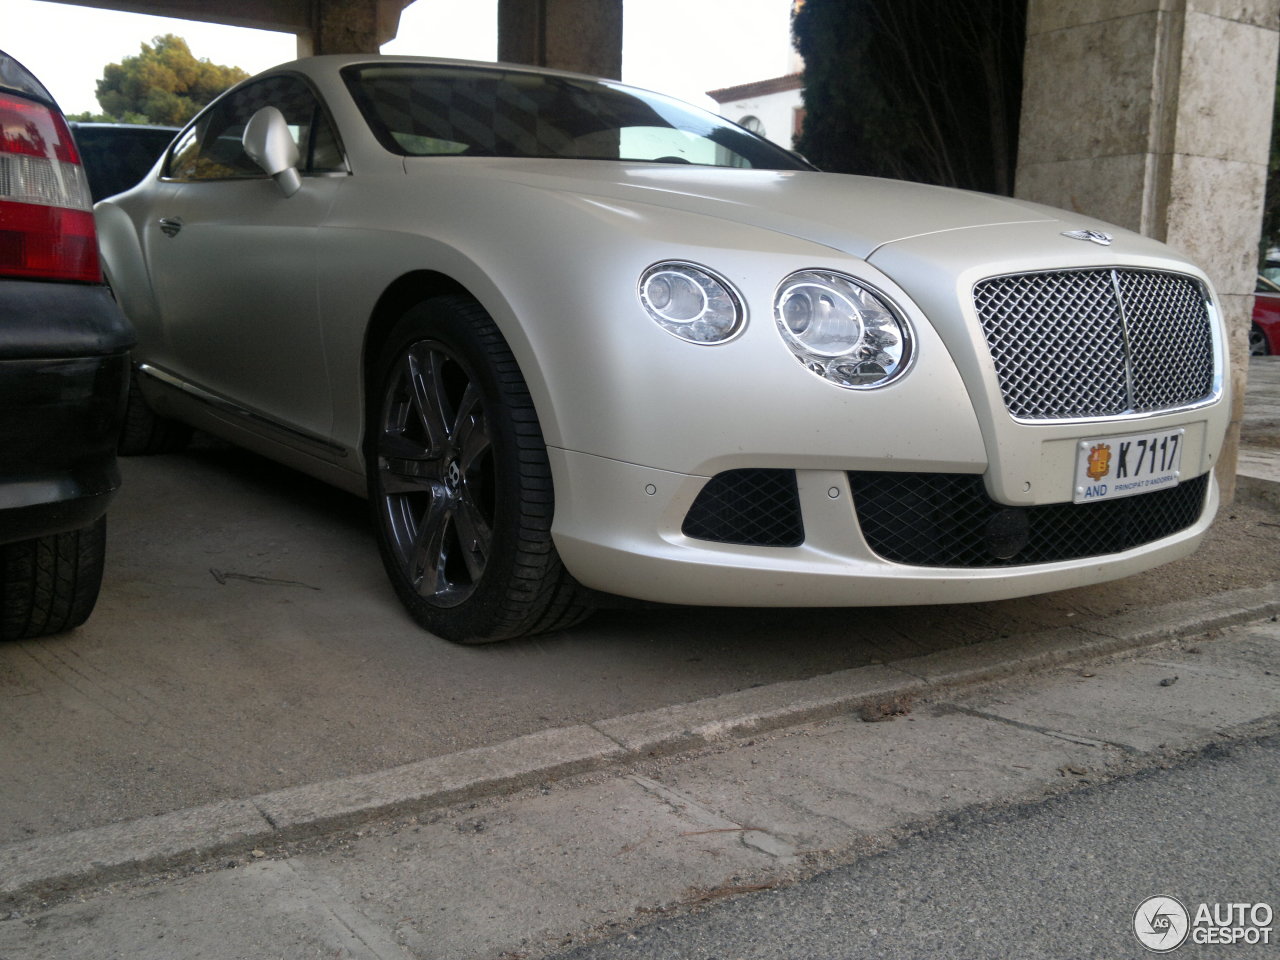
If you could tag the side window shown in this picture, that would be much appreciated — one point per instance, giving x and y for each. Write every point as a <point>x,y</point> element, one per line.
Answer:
<point>210,149</point>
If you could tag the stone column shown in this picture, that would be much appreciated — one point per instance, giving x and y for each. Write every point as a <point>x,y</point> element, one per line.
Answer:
<point>349,26</point>
<point>580,35</point>
<point>1156,115</point>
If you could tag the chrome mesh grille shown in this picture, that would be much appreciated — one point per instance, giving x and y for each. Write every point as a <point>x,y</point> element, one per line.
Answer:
<point>1097,343</point>
<point>1170,343</point>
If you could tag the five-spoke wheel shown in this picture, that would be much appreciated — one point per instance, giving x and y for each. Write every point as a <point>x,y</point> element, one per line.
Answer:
<point>459,480</point>
<point>435,461</point>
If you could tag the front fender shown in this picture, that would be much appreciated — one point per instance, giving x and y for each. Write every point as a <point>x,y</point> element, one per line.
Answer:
<point>558,272</point>
<point>125,268</point>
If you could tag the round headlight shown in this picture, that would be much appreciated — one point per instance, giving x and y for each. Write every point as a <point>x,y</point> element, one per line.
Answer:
<point>691,302</point>
<point>841,330</point>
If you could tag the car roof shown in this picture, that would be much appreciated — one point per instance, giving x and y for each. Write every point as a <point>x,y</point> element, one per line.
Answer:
<point>107,125</point>
<point>336,61</point>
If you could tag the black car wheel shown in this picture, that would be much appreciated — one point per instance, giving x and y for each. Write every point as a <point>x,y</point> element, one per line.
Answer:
<point>50,584</point>
<point>1257,342</point>
<point>144,431</point>
<point>459,481</point>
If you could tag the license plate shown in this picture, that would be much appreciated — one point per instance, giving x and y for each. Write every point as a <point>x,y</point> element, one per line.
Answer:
<point>1112,467</point>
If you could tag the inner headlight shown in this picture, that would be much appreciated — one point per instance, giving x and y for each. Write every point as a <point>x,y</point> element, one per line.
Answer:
<point>691,302</point>
<point>842,331</point>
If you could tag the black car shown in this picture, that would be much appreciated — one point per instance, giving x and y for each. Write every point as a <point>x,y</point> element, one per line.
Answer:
<point>63,370</point>
<point>118,155</point>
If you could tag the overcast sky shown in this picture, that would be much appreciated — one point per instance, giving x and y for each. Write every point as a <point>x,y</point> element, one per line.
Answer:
<point>680,47</point>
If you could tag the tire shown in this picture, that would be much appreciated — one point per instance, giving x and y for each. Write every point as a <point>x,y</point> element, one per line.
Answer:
<point>459,483</point>
<point>1257,342</point>
<point>50,584</point>
<point>144,432</point>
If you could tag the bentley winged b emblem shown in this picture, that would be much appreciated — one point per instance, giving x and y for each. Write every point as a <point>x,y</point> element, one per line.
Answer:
<point>1097,236</point>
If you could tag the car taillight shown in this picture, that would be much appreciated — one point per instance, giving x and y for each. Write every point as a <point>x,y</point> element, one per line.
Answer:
<point>46,216</point>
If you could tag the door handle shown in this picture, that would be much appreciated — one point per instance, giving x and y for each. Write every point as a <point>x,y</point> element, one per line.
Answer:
<point>170,226</point>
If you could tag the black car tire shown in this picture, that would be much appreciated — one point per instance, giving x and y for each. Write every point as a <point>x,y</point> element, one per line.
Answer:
<point>145,432</point>
<point>459,482</point>
<point>1257,342</point>
<point>50,584</point>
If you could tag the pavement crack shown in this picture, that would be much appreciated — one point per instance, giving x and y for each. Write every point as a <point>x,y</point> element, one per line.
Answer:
<point>1045,731</point>
<point>271,821</point>
<point>606,735</point>
<point>683,805</point>
<point>222,576</point>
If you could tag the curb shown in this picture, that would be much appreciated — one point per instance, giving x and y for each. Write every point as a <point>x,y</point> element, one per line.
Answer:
<point>1260,488</point>
<point>60,865</point>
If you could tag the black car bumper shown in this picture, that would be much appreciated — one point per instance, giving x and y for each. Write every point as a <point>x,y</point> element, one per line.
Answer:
<point>63,379</point>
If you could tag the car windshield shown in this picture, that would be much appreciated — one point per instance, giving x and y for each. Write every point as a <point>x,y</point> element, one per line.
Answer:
<point>426,110</point>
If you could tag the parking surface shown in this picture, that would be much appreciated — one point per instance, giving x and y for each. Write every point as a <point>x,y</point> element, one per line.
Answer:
<point>247,640</point>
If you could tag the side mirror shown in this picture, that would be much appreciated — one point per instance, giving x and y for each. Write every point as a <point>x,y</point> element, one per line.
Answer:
<point>269,144</point>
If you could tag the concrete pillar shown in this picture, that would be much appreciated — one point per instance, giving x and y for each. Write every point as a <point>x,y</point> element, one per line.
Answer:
<point>1156,115</point>
<point>580,35</point>
<point>349,26</point>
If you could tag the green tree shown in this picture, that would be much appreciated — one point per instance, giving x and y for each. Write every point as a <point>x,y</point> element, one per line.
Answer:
<point>164,83</point>
<point>926,90</point>
<point>1271,207</point>
<point>88,116</point>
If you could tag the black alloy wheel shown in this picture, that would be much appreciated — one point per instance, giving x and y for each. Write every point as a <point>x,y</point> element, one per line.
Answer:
<point>459,482</point>
<point>436,470</point>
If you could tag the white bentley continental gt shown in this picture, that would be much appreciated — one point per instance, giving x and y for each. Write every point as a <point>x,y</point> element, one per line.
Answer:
<point>570,337</point>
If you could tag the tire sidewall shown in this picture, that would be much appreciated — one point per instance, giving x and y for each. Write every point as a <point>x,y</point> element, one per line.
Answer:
<point>444,321</point>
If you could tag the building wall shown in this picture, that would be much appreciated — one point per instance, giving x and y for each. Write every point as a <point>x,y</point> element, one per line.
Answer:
<point>775,110</point>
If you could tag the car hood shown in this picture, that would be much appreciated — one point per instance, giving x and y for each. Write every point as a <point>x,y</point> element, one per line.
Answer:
<point>855,215</point>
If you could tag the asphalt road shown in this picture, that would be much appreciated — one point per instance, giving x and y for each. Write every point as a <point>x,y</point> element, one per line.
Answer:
<point>1060,878</point>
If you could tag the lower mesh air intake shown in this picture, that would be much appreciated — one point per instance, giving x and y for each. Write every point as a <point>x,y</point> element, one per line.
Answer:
<point>759,508</point>
<point>947,520</point>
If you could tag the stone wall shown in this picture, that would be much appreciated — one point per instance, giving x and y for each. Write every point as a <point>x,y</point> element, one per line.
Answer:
<point>1156,115</point>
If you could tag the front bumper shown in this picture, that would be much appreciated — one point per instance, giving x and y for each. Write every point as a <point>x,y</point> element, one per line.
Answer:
<point>619,529</point>
<point>999,444</point>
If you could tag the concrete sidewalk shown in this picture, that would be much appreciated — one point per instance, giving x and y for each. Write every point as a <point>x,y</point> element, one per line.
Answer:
<point>62,864</point>
<point>516,850</point>
<point>1258,471</point>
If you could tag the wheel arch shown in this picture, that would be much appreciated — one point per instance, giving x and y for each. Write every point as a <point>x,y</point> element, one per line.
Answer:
<point>124,267</point>
<point>417,286</point>
<point>404,292</point>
